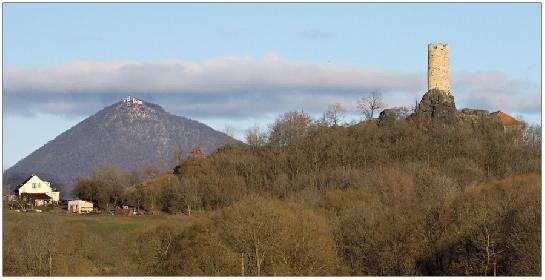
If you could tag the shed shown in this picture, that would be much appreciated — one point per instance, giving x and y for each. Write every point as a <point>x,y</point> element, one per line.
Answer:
<point>80,206</point>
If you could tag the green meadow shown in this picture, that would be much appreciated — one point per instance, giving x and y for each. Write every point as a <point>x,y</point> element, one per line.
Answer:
<point>77,244</point>
<point>98,224</point>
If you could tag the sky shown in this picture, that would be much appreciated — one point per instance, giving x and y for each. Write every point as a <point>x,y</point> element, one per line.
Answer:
<point>241,65</point>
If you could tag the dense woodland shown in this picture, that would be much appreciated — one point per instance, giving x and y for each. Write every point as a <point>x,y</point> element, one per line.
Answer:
<point>311,197</point>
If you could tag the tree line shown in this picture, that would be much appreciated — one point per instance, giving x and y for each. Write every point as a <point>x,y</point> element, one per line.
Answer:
<point>318,197</point>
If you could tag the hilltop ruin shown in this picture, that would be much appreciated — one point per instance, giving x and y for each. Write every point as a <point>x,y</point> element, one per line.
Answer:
<point>438,105</point>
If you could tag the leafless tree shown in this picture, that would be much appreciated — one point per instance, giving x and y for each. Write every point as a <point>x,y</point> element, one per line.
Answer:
<point>255,137</point>
<point>335,114</point>
<point>177,155</point>
<point>289,127</point>
<point>229,130</point>
<point>371,103</point>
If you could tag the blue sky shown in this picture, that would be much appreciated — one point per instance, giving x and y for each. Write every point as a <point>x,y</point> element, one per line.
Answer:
<point>242,64</point>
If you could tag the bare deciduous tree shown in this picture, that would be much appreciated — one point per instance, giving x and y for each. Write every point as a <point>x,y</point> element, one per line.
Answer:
<point>289,127</point>
<point>255,137</point>
<point>335,114</point>
<point>371,103</point>
<point>229,130</point>
<point>177,154</point>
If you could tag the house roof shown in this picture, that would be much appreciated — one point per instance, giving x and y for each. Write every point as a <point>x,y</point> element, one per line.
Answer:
<point>506,119</point>
<point>30,177</point>
<point>24,182</point>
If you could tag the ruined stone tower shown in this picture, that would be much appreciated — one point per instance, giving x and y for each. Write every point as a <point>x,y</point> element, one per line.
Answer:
<point>437,104</point>
<point>438,67</point>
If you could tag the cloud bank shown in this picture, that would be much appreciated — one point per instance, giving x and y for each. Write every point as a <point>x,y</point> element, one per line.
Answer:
<point>238,87</point>
<point>493,90</point>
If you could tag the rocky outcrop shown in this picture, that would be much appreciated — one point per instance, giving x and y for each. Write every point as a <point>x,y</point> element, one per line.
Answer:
<point>436,105</point>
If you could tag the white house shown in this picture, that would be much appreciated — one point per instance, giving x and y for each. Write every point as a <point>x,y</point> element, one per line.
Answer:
<point>37,190</point>
<point>80,206</point>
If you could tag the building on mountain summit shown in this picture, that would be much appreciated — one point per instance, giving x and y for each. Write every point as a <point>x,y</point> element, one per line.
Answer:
<point>132,100</point>
<point>37,191</point>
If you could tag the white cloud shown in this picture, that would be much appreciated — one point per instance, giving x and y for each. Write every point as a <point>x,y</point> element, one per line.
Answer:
<point>240,87</point>
<point>220,74</point>
<point>493,90</point>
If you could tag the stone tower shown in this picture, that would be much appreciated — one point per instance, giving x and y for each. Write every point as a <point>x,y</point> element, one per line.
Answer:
<point>438,67</point>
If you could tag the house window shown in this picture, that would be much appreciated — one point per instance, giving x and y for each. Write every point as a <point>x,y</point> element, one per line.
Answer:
<point>33,185</point>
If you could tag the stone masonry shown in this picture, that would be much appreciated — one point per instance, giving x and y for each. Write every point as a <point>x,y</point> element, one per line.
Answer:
<point>437,104</point>
<point>438,77</point>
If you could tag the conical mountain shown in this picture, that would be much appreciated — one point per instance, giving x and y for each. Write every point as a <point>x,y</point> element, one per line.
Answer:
<point>127,134</point>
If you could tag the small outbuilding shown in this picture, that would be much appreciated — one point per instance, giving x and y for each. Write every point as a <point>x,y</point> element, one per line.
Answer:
<point>80,206</point>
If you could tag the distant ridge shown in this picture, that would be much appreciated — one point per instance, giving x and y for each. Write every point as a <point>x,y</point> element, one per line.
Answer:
<point>126,134</point>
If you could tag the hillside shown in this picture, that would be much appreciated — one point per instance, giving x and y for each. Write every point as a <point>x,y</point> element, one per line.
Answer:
<point>407,197</point>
